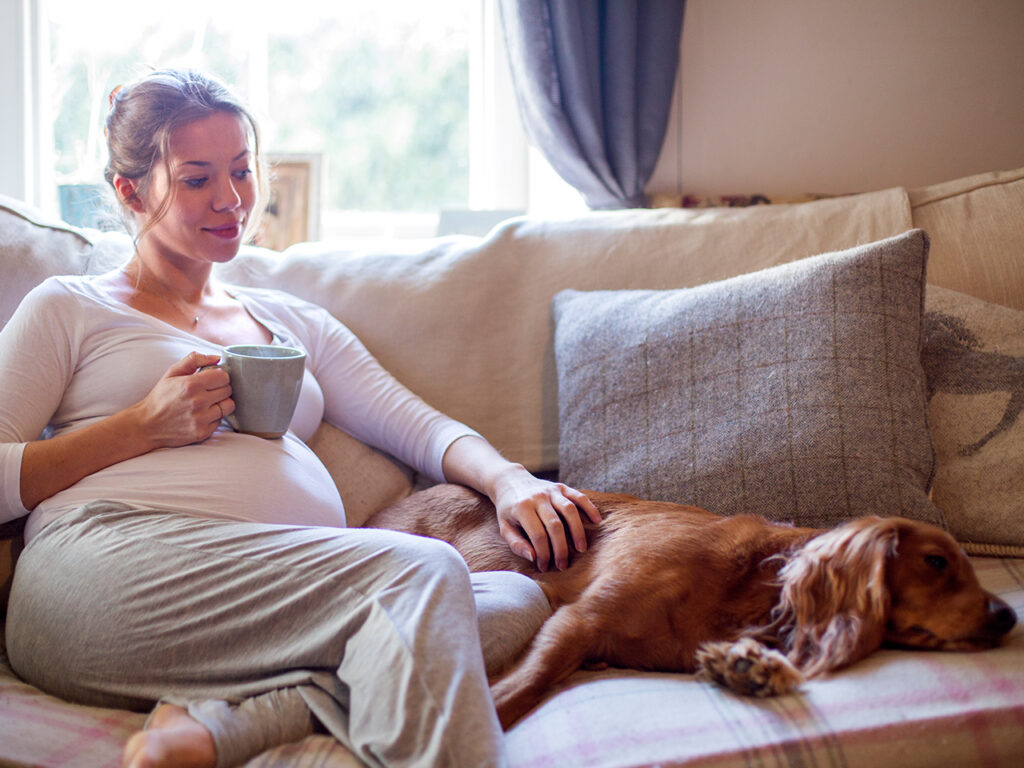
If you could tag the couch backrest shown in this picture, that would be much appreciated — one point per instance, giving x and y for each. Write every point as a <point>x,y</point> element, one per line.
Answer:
<point>976,225</point>
<point>466,321</point>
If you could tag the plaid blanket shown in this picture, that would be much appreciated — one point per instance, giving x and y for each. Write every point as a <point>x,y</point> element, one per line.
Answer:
<point>896,708</point>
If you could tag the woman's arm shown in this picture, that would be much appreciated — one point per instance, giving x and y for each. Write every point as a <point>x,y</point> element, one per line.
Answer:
<point>362,398</point>
<point>524,503</point>
<point>181,408</point>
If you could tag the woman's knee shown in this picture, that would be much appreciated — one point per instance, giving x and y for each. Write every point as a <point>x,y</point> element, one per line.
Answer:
<point>415,567</point>
<point>434,555</point>
<point>510,610</point>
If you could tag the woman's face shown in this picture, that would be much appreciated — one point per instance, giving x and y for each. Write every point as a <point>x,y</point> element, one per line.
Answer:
<point>212,192</point>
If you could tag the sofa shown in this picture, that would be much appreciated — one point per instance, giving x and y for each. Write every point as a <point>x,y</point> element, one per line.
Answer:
<point>467,322</point>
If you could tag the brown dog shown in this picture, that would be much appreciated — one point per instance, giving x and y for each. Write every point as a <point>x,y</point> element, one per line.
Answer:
<point>751,604</point>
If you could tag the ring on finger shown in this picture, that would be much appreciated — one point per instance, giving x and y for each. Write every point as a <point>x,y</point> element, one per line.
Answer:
<point>220,408</point>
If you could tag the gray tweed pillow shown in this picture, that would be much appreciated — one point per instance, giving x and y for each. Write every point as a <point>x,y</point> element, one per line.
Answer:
<point>796,393</point>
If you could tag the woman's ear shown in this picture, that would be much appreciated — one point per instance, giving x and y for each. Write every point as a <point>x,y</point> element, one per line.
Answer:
<point>128,193</point>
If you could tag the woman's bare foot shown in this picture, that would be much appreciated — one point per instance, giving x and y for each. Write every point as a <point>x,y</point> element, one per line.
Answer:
<point>172,739</point>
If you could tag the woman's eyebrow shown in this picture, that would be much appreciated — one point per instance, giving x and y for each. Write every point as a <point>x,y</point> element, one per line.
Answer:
<point>237,157</point>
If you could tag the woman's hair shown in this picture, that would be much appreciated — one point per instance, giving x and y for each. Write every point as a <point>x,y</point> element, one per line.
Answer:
<point>145,113</point>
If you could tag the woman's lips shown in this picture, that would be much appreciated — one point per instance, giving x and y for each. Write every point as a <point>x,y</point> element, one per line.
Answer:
<point>226,231</point>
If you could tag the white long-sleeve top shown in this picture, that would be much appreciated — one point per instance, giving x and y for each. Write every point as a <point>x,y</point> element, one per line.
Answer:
<point>72,355</point>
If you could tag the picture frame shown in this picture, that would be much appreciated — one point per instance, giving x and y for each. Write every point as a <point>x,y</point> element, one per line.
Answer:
<point>292,214</point>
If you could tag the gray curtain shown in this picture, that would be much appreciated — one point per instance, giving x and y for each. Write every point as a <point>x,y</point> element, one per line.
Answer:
<point>594,82</point>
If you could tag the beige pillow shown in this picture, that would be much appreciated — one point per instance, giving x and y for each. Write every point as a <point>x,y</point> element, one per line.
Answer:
<point>796,393</point>
<point>973,357</point>
<point>976,225</point>
<point>367,479</point>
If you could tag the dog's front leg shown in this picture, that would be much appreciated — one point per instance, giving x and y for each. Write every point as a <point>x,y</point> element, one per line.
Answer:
<point>747,667</point>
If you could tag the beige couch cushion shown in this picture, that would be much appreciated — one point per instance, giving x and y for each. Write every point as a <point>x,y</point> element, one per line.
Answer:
<point>367,479</point>
<point>977,229</point>
<point>33,248</point>
<point>466,323</point>
<point>974,359</point>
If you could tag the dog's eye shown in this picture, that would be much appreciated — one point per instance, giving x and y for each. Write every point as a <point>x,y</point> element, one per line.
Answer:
<point>937,562</point>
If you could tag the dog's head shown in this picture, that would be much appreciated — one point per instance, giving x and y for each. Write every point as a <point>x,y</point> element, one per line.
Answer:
<point>876,580</point>
<point>935,598</point>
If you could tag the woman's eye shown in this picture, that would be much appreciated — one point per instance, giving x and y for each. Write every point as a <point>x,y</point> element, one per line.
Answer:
<point>243,174</point>
<point>936,562</point>
<point>195,183</point>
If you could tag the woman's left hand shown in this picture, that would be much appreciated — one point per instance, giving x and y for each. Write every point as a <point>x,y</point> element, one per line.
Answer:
<point>537,518</point>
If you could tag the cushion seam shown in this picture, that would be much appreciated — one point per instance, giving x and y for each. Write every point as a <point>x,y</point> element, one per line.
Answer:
<point>967,190</point>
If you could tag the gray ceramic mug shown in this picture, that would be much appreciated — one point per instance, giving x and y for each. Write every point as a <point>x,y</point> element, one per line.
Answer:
<point>265,384</point>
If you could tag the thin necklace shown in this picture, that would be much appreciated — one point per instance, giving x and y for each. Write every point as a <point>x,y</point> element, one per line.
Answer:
<point>141,282</point>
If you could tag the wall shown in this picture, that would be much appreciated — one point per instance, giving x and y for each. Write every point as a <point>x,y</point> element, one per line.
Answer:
<point>13,165</point>
<point>838,96</point>
<point>25,150</point>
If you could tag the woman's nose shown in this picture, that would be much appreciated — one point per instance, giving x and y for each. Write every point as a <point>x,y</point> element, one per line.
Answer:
<point>226,197</point>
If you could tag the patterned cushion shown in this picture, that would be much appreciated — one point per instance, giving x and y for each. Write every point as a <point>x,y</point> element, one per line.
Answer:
<point>40,731</point>
<point>893,710</point>
<point>974,359</point>
<point>796,393</point>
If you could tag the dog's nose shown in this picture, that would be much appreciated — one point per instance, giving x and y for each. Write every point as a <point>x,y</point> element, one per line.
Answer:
<point>1001,618</point>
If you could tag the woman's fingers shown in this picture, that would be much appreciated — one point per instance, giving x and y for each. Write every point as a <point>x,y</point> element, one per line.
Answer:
<point>538,518</point>
<point>569,512</point>
<point>188,402</point>
<point>191,363</point>
<point>516,541</point>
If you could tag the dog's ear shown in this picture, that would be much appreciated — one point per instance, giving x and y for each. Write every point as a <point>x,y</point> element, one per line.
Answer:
<point>834,599</point>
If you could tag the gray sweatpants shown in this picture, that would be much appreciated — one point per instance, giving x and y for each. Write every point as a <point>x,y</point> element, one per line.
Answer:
<point>253,627</point>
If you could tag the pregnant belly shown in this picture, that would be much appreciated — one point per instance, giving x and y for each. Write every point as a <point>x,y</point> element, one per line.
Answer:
<point>230,475</point>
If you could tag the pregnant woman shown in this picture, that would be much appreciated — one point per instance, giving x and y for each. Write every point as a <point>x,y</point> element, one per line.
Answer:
<point>176,565</point>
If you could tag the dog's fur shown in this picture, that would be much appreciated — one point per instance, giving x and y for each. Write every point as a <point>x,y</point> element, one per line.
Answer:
<point>751,604</point>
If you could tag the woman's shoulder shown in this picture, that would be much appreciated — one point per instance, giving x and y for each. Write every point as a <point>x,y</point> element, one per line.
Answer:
<point>304,319</point>
<point>51,309</point>
<point>59,296</point>
<point>64,289</point>
<point>56,288</point>
<point>276,300</point>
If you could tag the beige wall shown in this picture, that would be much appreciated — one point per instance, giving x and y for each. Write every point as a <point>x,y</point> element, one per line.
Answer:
<point>843,96</point>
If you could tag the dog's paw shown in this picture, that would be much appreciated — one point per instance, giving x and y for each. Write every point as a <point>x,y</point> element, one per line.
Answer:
<point>747,667</point>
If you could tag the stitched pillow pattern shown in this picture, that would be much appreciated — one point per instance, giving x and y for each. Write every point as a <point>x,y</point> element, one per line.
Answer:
<point>973,358</point>
<point>796,392</point>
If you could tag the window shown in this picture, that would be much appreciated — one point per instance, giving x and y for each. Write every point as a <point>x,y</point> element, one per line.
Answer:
<point>407,104</point>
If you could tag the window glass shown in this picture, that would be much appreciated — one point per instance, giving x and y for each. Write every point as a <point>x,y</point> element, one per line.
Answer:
<point>378,90</point>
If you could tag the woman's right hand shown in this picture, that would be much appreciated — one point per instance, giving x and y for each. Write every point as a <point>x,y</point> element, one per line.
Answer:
<point>186,404</point>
